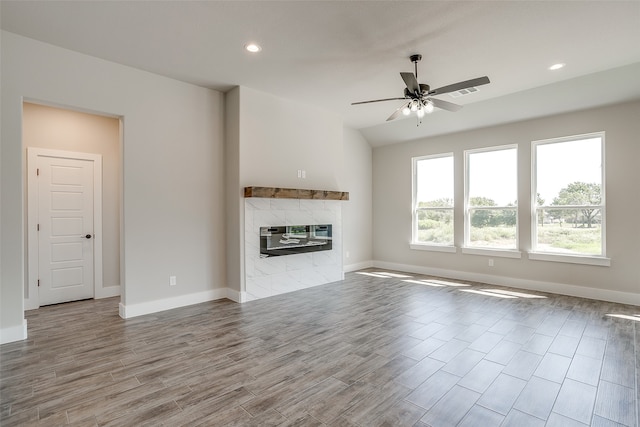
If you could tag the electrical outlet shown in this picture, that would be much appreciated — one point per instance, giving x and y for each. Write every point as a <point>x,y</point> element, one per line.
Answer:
<point>490,262</point>
<point>299,173</point>
<point>347,254</point>
<point>304,174</point>
<point>172,281</point>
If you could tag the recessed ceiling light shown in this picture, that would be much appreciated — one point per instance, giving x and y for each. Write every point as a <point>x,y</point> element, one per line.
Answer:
<point>252,47</point>
<point>556,66</point>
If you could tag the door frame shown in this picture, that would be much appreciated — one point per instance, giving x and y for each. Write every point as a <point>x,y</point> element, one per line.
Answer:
<point>31,298</point>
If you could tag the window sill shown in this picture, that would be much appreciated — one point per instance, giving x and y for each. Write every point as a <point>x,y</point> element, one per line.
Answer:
<point>434,248</point>
<point>572,259</point>
<point>504,253</point>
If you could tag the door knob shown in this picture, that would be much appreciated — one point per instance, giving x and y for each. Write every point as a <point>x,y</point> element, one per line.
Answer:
<point>88,236</point>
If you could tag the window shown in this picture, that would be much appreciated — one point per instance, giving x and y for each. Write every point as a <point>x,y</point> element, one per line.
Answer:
<point>568,189</point>
<point>433,200</point>
<point>491,198</point>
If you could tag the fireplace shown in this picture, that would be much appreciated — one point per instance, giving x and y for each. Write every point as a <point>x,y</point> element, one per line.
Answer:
<point>265,271</point>
<point>294,239</point>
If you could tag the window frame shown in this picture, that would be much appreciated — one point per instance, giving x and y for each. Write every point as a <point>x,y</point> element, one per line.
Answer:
<point>429,246</point>
<point>590,259</point>
<point>480,250</point>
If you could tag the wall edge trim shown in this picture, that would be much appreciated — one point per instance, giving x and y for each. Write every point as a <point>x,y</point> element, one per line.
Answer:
<point>14,333</point>
<point>348,268</point>
<point>533,285</point>
<point>236,296</point>
<point>150,307</point>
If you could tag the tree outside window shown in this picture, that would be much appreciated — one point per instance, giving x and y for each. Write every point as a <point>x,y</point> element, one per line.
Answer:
<point>492,198</point>
<point>568,176</point>
<point>433,200</point>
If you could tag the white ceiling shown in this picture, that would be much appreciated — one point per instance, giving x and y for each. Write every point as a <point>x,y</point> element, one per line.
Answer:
<point>332,53</point>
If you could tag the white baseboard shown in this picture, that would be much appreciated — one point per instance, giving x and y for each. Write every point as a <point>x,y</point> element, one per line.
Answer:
<point>31,303</point>
<point>357,266</point>
<point>107,292</point>
<point>134,310</point>
<point>14,333</point>
<point>532,285</point>
<point>236,296</point>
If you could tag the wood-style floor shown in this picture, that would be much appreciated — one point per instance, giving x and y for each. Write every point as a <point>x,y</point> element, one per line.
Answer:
<point>371,350</point>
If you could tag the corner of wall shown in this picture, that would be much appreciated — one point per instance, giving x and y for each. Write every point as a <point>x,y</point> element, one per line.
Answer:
<point>348,268</point>
<point>236,296</point>
<point>108,292</point>
<point>233,210</point>
<point>14,333</point>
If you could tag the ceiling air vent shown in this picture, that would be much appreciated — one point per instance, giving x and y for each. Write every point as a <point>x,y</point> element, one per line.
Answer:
<point>463,92</point>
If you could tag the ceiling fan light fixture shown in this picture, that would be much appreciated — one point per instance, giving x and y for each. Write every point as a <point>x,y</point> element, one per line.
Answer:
<point>428,107</point>
<point>418,96</point>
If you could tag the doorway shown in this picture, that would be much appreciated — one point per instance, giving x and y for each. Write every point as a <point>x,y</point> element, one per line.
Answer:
<point>73,191</point>
<point>66,195</point>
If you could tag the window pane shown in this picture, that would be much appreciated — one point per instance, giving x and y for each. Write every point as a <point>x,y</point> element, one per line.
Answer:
<point>493,228</point>
<point>434,182</point>
<point>562,164</point>
<point>433,196</point>
<point>435,226</point>
<point>569,173</point>
<point>493,178</point>
<point>570,231</point>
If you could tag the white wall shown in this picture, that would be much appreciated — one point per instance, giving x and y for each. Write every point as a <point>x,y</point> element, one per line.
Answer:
<point>233,195</point>
<point>357,217</point>
<point>620,281</point>
<point>172,171</point>
<point>59,129</point>
<point>268,140</point>
<point>280,136</point>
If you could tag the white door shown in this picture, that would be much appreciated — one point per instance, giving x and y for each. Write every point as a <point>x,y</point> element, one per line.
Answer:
<point>65,229</point>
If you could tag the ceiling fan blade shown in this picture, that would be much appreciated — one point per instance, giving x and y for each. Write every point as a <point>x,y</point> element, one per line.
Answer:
<point>460,85</point>
<point>376,100</point>
<point>411,82</point>
<point>445,105</point>
<point>397,112</point>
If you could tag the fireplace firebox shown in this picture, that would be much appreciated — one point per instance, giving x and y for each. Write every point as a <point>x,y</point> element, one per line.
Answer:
<point>294,239</point>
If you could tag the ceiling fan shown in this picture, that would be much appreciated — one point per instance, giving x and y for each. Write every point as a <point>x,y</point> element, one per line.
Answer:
<point>420,96</point>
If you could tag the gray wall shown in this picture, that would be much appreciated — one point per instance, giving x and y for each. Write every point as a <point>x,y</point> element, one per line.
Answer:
<point>280,136</point>
<point>357,217</point>
<point>233,194</point>
<point>174,183</point>
<point>185,158</point>
<point>59,129</point>
<point>172,169</point>
<point>392,204</point>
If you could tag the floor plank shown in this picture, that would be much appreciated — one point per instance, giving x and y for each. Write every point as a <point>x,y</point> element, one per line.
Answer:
<point>365,351</point>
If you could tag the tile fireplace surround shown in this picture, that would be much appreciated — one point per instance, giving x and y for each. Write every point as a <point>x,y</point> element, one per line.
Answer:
<point>270,276</point>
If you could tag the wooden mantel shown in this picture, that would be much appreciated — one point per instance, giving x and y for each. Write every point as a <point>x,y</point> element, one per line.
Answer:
<point>294,193</point>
